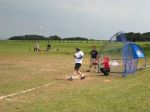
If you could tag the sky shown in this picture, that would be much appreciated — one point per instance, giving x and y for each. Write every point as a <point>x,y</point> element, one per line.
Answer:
<point>97,19</point>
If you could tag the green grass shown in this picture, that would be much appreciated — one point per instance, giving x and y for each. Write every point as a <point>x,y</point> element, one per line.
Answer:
<point>22,69</point>
<point>23,47</point>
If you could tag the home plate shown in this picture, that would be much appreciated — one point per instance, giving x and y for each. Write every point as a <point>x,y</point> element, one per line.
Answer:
<point>71,77</point>
<point>107,80</point>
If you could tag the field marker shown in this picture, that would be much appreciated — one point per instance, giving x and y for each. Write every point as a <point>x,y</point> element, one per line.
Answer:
<point>147,66</point>
<point>26,91</point>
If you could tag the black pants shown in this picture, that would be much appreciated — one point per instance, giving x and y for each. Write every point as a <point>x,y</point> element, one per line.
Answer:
<point>105,71</point>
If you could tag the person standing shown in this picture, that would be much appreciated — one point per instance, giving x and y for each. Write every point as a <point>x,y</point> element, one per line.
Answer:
<point>48,47</point>
<point>94,59</point>
<point>78,62</point>
<point>37,47</point>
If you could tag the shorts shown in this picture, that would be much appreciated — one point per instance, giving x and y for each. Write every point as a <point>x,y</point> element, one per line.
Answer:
<point>93,61</point>
<point>77,66</point>
<point>105,71</point>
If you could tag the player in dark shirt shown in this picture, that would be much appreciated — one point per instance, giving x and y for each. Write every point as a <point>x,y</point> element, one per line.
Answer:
<point>94,53</point>
<point>93,59</point>
<point>48,47</point>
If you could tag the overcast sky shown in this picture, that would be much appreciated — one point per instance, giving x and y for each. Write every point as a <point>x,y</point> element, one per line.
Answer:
<point>98,19</point>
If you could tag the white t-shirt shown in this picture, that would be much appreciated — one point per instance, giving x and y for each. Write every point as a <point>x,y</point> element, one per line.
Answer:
<point>78,57</point>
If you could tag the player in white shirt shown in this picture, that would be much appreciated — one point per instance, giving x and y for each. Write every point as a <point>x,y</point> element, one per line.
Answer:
<point>78,62</point>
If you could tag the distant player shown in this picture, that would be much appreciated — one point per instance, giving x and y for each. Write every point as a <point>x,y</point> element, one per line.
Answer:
<point>94,59</point>
<point>78,62</point>
<point>37,47</point>
<point>48,47</point>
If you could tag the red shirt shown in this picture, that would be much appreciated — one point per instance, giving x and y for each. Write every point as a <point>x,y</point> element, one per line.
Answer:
<point>106,63</point>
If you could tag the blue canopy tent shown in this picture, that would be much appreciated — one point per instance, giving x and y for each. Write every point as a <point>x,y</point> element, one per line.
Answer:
<point>131,53</point>
<point>129,56</point>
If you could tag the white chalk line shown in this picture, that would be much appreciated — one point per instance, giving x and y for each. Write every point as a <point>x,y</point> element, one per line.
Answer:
<point>147,66</point>
<point>26,91</point>
<point>14,100</point>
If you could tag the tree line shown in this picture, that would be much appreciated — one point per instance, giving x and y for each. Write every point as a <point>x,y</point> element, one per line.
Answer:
<point>39,37</point>
<point>131,36</point>
<point>138,37</point>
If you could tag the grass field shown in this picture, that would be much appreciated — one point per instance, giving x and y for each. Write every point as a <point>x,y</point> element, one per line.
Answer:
<point>43,73</point>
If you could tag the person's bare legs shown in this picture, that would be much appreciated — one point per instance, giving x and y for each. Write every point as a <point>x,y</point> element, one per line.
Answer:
<point>91,65</point>
<point>96,67</point>
<point>94,64</point>
<point>79,73</point>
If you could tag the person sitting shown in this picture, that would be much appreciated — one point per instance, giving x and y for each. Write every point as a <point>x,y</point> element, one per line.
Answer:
<point>106,67</point>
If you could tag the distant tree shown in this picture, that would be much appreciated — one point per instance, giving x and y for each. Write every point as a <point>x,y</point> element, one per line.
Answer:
<point>54,37</point>
<point>146,36</point>
<point>134,37</point>
<point>75,38</point>
<point>28,37</point>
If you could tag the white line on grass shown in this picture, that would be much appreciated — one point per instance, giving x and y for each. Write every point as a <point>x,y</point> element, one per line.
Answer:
<point>147,66</point>
<point>26,91</point>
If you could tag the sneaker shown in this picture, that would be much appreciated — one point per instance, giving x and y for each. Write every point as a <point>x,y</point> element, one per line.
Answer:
<point>82,77</point>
